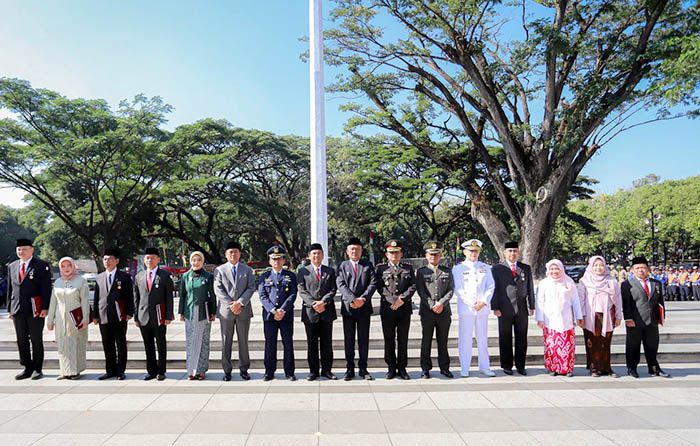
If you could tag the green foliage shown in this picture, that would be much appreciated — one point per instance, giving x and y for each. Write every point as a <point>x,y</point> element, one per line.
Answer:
<point>622,225</point>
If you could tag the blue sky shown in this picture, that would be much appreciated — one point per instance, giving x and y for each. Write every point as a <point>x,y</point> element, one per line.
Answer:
<point>237,60</point>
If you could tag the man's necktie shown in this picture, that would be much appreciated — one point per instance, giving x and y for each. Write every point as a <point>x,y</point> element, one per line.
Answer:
<point>110,280</point>
<point>318,273</point>
<point>234,271</point>
<point>21,272</point>
<point>646,288</point>
<point>513,269</point>
<point>354,265</point>
<point>148,280</point>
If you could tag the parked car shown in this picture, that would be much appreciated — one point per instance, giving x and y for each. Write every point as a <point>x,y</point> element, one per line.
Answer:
<point>575,272</point>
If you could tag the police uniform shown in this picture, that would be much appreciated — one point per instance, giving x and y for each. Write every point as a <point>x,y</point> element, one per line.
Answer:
<point>434,284</point>
<point>473,284</point>
<point>277,291</point>
<point>695,283</point>
<point>673,286</point>
<point>395,282</point>
<point>684,283</point>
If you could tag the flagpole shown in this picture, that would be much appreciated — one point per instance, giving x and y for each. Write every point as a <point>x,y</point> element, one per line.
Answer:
<point>319,209</point>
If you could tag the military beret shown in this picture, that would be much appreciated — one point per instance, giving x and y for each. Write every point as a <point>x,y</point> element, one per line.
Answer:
<point>641,260</point>
<point>232,245</point>
<point>152,251</point>
<point>432,247</point>
<point>114,252</point>
<point>472,245</point>
<point>392,245</point>
<point>354,241</point>
<point>24,242</point>
<point>276,252</point>
<point>315,246</point>
<point>511,245</point>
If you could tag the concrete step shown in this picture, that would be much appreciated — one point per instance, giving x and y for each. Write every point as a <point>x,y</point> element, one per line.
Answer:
<point>668,353</point>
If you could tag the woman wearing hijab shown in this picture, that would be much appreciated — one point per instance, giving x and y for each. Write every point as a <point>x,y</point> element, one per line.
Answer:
<point>556,306</point>
<point>601,303</point>
<point>69,315</point>
<point>197,309</point>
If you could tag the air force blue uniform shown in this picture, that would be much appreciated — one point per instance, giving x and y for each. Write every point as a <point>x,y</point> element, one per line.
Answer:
<point>278,291</point>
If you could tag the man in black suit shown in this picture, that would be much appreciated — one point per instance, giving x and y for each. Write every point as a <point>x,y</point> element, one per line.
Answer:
<point>642,307</point>
<point>435,286</point>
<point>153,298</point>
<point>317,287</point>
<point>357,283</point>
<point>29,291</point>
<point>113,306</point>
<point>513,300</point>
<point>396,285</point>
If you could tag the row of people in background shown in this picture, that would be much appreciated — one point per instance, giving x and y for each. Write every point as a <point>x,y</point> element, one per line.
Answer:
<point>597,304</point>
<point>677,283</point>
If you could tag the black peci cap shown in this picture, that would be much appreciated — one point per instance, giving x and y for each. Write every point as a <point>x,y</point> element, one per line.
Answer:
<point>23,242</point>
<point>641,260</point>
<point>232,245</point>
<point>152,251</point>
<point>354,241</point>
<point>315,246</point>
<point>512,245</point>
<point>114,252</point>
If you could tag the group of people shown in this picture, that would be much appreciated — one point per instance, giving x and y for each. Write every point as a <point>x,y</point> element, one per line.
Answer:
<point>598,304</point>
<point>679,283</point>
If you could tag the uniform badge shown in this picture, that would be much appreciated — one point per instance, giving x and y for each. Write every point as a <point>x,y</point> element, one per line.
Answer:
<point>394,244</point>
<point>31,277</point>
<point>433,246</point>
<point>482,270</point>
<point>47,268</point>
<point>156,285</point>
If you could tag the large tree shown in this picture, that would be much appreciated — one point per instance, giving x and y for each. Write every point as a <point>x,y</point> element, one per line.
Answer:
<point>527,102</point>
<point>92,168</point>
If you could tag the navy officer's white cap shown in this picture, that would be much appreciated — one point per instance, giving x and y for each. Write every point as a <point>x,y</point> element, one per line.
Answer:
<point>472,245</point>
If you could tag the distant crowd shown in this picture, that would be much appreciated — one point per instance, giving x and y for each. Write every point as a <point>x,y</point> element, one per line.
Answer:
<point>678,282</point>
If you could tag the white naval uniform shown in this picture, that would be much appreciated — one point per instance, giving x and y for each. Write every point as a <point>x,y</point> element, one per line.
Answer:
<point>473,283</point>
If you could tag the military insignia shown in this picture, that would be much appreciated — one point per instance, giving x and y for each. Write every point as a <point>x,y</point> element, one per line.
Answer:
<point>394,244</point>
<point>276,250</point>
<point>433,246</point>
<point>156,285</point>
<point>31,277</point>
<point>482,269</point>
<point>47,268</point>
<point>286,288</point>
<point>475,243</point>
<point>119,287</point>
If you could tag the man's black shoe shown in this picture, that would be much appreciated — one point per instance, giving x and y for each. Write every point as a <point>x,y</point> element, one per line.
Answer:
<point>348,376</point>
<point>245,375</point>
<point>227,377</point>
<point>37,375</point>
<point>661,373</point>
<point>149,377</point>
<point>268,377</point>
<point>24,375</point>
<point>121,377</point>
<point>404,374</point>
<point>447,373</point>
<point>633,373</point>
<point>291,377</point>
<point>425,374</point>
<point>508,371</point>
<point>329,375</point>
<point>522,372</point>
<point>160,377</point>
<point>106,376</point>
<point>365,375</point>
<point>312,377</point>
<point>390,374</point>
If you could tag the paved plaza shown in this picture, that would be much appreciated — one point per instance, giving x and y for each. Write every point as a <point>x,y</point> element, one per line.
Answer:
<point>525,410</point>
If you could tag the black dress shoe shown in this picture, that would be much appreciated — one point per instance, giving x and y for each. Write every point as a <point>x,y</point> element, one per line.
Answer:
<point>348,376</point>
<point>522,372</point>
<point>446,373</point>
<point>365,375</point>
<point>245,375</point>
<point>661,373</point>
<point>160,377</point>
<point>37,375</point>
<point>508,371</point>
<point>106,376</point>
<point>312,377</point>
<point>291,377</point>
<point>425,374</point>
<point>24,375</point>
<point>329,375</point>
<point>268,377</point>
<point>404,374</point>
<point>227,377</point>
<point>149,377</point>
<point>121,377</point>
<point>390,374</point>
<point>633,373</point>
